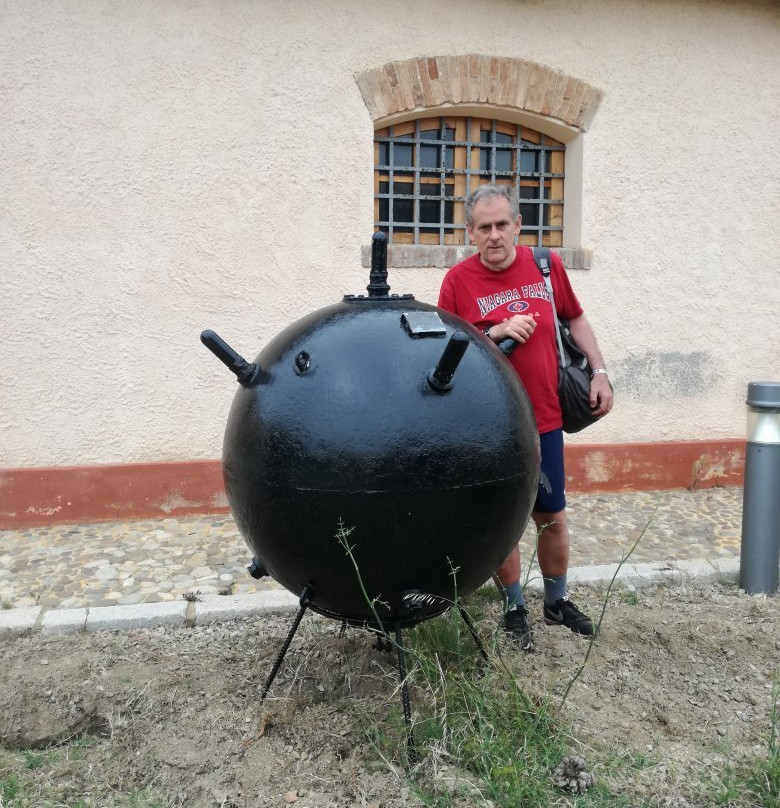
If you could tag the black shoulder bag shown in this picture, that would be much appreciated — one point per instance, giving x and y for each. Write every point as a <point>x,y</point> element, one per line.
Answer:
<point>574,371</point>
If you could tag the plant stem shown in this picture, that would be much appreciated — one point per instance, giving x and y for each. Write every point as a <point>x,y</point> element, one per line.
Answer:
<point>342,535</point>
<point>593,636</point>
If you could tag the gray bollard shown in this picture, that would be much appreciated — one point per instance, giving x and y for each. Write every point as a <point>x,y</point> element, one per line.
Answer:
<point>759,561</point>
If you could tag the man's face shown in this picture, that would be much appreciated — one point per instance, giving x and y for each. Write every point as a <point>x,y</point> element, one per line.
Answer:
<point>493,231</point>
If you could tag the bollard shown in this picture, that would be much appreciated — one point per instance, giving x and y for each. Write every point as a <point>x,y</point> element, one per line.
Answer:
<point>759,561</point>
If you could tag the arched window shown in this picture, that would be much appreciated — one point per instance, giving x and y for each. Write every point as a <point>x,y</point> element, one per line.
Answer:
<point>425,168</point>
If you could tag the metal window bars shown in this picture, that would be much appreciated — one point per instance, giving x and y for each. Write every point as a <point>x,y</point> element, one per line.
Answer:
<point>426,168</point>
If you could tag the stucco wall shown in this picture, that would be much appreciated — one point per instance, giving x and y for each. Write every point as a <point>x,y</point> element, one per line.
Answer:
<point>168,167</point>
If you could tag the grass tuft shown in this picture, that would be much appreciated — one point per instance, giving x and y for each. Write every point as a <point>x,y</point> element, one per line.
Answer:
<point>755,782</point>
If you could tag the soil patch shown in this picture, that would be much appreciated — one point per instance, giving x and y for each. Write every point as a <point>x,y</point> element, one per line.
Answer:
<point>678,685</point>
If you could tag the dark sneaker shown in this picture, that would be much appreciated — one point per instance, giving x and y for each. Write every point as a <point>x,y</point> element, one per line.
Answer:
<point>564,613</point>
<point>518,628</point>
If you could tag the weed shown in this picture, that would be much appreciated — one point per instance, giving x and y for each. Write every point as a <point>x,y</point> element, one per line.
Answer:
<point>762,778</point>
<point>9,789</point>
<point>32,778</point>
<point>635,759</point>
<point>755,781</point>
<point>495,741</point>
<point>143,799</point>
<point>476,720</point>
<point>34,759</point>
<point>756,609</point>
<point>698,468</point>
<point>343,535</point>
<point>628,596</point>
<point>622,561</point>
<point>77,748</point>
<point>484,596</point>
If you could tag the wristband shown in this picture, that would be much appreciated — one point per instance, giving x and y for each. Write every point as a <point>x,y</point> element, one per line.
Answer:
<point>596,371</point>
<point>486,331</point>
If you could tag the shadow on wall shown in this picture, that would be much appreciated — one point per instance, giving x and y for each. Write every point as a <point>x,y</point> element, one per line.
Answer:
<point>665,375</point>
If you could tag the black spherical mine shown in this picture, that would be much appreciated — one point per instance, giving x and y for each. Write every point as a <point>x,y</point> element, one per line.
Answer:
<point>381,455</point>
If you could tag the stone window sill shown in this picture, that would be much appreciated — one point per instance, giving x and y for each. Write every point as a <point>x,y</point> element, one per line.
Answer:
<point>424,255</point>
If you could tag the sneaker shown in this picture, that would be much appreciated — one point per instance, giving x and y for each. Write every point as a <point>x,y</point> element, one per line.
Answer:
<point>518,628</point>
<point>564,613</point>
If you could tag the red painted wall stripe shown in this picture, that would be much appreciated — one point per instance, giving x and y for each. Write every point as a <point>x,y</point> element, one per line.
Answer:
<point>48,496</point>
<point>654,466</point>
<point>44,496</point>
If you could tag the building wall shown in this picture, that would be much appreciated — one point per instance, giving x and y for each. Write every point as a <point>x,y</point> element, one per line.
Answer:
<point>170,167</point>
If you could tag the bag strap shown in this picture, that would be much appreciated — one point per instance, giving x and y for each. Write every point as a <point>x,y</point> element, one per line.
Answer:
<point>542,260</point>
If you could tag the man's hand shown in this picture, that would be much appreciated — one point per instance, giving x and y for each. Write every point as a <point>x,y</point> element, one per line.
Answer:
<point>519,328</point>
<point>600,394</point>
<point>600,388</point>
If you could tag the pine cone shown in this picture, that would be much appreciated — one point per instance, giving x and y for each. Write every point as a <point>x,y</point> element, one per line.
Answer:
<point>571,775</point>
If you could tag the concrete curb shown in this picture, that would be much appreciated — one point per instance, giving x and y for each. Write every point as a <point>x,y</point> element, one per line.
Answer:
<point>223,608</point>
<point>637,575</point>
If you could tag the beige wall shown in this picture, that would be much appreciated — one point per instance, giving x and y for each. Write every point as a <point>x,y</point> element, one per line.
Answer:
<point>171,166</point>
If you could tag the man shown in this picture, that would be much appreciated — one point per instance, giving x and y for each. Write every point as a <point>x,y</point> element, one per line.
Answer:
<point>501,290</point>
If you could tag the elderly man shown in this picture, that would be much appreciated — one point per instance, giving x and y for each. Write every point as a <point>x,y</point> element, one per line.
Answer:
<point>501,290</point>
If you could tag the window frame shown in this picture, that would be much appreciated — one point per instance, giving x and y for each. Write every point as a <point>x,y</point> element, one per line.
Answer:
<point>471,144</point>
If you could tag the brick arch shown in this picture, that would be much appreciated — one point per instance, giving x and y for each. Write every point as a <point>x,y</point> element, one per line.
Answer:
<point>436,81</point>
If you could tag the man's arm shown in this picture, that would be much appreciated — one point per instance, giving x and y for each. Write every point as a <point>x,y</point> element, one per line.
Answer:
<point>600,388</point>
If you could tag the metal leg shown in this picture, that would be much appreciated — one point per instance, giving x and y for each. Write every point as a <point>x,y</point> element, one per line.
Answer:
<point>467,620</point>
<point>410,745</point>
<point>305,600</point>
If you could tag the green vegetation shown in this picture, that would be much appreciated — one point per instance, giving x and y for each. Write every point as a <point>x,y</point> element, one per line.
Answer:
<point>9,787</point>
<point>482,720</point>
<point>481,739</point>
<point>754,782</point>
<point>46,778</point>
<point>486,734</point>
<point>629,596</point>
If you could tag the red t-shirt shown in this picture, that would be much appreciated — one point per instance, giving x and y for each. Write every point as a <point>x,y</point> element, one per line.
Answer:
<point>484,298</point>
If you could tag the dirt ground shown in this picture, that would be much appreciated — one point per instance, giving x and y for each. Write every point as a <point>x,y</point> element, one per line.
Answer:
<point>680,680</point>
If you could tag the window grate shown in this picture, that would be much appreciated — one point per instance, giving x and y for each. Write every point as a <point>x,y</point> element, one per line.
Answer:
<point>425,169</point>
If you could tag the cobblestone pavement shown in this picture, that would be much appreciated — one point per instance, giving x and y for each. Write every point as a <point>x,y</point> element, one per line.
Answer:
<point>109,564</point>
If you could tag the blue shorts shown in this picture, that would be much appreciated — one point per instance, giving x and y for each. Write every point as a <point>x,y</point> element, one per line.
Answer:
<point>552,481</point>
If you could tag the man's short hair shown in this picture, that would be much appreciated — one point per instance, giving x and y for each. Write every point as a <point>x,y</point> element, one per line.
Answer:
<point>490,191</point>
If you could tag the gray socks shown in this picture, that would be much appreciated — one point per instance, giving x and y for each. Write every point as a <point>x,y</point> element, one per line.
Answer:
<point>514,595</point>
<point>554,588</point>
